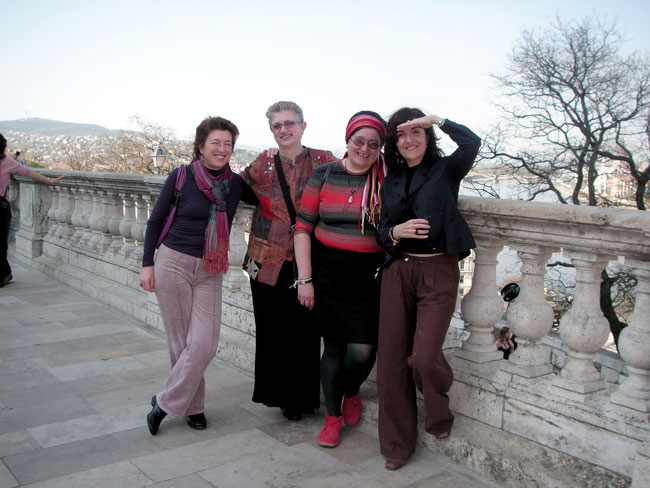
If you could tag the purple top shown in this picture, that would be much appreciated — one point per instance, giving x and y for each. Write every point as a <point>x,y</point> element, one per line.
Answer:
<point>187,232</point>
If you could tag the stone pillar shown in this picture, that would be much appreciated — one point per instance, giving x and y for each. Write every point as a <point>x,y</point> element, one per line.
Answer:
<point>87,211</point>
<point>634,345</point>
<point>530,317</point>
<point>583,329</point>
<point>482,307</point>
<point>95,220</point>
<point>77,211</point>
<point>51,214</point>
<point>35,203</point>
<point>235,278</point>
<point>126,225</point>
<point>107,210</point>
<point>117,215</point>
<point>63,214</point>
<point>139,227</point>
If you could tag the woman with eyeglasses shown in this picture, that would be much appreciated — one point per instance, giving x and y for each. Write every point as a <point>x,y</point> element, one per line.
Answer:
<point>425,236</point>
<point>287,344</point>
<point>336,247</point>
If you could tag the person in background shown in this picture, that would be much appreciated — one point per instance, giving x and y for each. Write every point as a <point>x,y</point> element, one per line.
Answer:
<point>8,167</point>
<point>506,342</point>
<point>287,344</point>
<point>341,207</point>
<point>425,235</point>
<point>187,271</point>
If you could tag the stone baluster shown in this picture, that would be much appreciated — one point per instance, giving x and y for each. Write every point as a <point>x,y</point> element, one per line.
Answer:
<point>63,214</point>
<point>51,214</point>
<point>235,279</point>
<point>117,216</point>
<point>634,345</point>
<point>107,210</point>
<point>127,224</point>
<point>583,329</point>
<point>139,227</point>
<point>87,211</point>
<point>530,317</point>
<point>95,220</point>
<point>77,211</point>
<point>482,307</point>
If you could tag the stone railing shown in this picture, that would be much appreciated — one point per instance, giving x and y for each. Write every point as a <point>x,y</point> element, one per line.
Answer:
<point>522,422</point>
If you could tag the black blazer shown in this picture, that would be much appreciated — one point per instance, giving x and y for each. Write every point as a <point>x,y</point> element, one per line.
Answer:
<point>433,194</point>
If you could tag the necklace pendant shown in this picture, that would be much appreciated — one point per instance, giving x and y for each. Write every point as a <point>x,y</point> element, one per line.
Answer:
<point>350,199</point>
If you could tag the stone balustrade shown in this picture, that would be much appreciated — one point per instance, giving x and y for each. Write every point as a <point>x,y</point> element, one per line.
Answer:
<point>88,230</point>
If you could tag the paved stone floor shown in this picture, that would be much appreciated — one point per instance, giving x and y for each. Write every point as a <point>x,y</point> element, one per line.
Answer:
<point>76,379</point>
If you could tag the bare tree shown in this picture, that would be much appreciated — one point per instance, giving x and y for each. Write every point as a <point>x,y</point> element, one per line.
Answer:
<point>573,107</point>
<point>576,128</point>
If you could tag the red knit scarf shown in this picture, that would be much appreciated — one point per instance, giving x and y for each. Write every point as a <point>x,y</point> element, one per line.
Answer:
<point>217,234</point>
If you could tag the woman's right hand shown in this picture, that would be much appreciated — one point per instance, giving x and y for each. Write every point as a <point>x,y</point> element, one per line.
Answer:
<point>412,229</point>
<point>147,279</point>
<point>306,295</point>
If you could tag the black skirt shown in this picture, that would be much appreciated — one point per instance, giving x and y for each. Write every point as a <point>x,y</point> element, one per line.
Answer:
<point>346,293</point>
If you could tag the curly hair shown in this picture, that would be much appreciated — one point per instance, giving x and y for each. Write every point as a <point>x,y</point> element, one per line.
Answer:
<point>392,154</point>
<point>209,124</point>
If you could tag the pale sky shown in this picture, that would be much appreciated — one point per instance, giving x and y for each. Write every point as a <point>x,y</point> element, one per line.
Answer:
<point>175,62</point>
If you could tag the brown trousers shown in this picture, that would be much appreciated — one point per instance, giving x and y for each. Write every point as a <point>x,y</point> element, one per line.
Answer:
<point>190,305</point>
<point>418,299</point>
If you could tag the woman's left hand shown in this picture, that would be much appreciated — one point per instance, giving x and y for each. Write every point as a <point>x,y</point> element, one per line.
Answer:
<point>55,180</point>
<point>306,295</point>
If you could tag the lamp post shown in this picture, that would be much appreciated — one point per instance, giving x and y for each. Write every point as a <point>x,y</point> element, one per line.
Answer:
<point>159,158</point>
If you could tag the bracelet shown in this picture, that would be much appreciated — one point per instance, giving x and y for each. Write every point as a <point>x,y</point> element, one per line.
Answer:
<point>392,237</point>
<point>441,122</point>
<point>301,282</point>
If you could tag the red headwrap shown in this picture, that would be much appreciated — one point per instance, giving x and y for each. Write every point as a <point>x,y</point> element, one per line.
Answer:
<point>365,120</point>
<point>371,203</point>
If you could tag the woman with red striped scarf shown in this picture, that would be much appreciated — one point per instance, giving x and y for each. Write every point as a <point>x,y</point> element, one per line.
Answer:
<point>338,257</point>
<point>189,267</point>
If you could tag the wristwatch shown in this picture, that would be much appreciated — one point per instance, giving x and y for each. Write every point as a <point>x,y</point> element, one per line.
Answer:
<point>441,122</point>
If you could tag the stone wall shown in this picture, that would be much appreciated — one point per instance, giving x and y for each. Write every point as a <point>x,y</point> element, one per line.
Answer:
<point>547,417</point>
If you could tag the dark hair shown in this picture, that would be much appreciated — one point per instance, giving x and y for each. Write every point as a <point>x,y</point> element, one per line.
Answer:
<point>503,332</point>
<point>3,146</point>
<point>209,124</point>
<point>391,153</point>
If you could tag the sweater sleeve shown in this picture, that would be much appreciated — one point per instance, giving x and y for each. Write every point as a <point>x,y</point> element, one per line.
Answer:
<point>156,221</point>
<point>462,159</point>
<point>309,213</point>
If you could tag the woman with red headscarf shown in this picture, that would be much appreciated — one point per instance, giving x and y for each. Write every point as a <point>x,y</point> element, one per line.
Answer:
<point>336,268</point>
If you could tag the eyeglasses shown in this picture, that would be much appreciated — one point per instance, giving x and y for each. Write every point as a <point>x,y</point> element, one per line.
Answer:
<point>287,124</point>
<point>359,142</point>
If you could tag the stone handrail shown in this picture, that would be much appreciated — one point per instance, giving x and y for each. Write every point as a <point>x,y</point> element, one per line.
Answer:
<point>88,231</point>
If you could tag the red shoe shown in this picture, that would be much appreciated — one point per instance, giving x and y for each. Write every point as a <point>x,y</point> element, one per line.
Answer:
<point>331,433</point>
<point>351,410</point>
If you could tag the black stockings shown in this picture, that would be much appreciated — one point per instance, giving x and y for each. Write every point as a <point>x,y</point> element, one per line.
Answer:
<point>343,368</point>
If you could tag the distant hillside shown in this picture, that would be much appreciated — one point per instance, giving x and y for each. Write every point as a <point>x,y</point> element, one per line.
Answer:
<point>49,127</point>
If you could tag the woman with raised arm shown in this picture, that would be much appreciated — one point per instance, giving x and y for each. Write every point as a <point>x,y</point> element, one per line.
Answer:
<point>189,266</point>
<point>425,236</point>
<point>287,344</point>
<point>8,167</point>
<point>336,247</point>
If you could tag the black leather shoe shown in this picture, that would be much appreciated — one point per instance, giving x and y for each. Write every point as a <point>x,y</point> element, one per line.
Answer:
<point>155,416</point>
<point>197,421</point>
<point>291,413</point>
